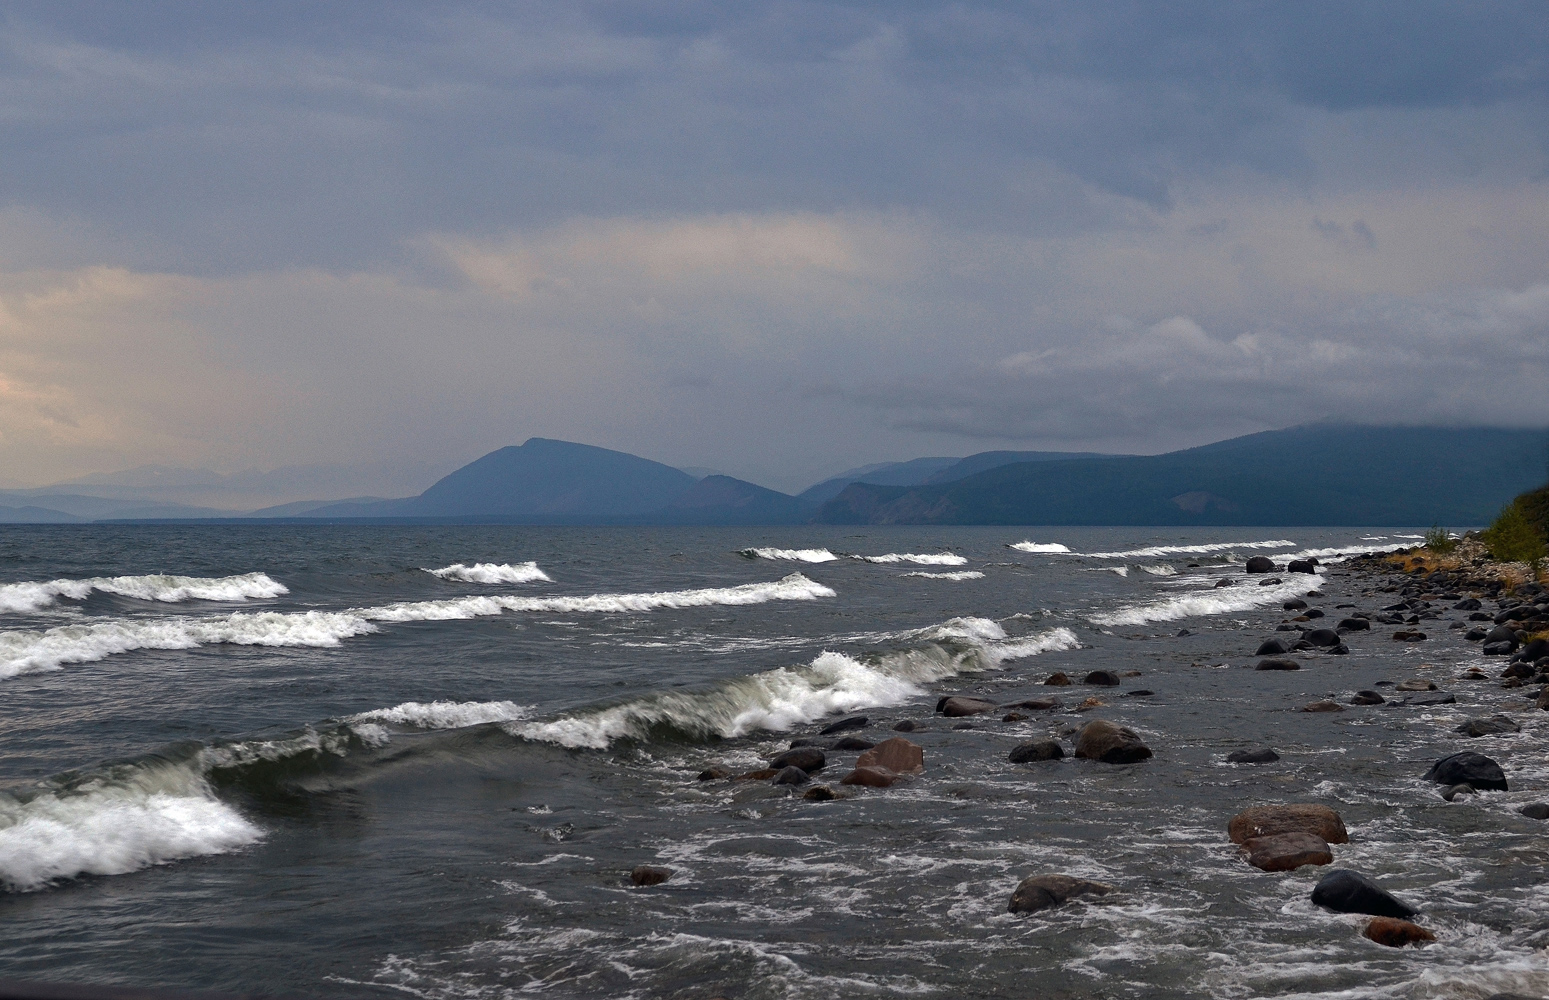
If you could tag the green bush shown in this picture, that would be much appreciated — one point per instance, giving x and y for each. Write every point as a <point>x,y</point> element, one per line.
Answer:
<point>1439,540</point>
<point>1512,537</point>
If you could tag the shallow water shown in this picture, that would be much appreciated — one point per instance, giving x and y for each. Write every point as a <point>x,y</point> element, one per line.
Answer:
<point>402,759</point>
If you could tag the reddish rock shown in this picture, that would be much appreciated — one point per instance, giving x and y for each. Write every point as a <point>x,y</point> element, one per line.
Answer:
<point>1058,680</point>
<point>762,774</point>
<point>1396,933</point>
<point>1039,892</point>
<point>1322,706</point>
<point>1287,851</point>
<point>650,875</point>
<point>1110,743</point>
<point>1272,821</point>
<point>872,777</point>
<point>954,708</point>
<point>897,755</point>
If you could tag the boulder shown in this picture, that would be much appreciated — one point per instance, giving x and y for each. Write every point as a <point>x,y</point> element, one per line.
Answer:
<point>1297,817</point>
<point>854,743</point>
<point>1058,679</point>
<point>956,708</point>
<point>1475,634</point>
<point>1543,699</point>
<point>1301,566</point>
<point>1035,750</point>
<point>1456,790</point>
<point>1367,698</point>
<point>820,793</point>
<point>1294,604</point>
<point>873,777</point>
<point>1322,637</point>
<point>807,758</point>
<point>1278,665</point>
<point>1040,892</point>
<point>1354,624</point>
<point>905,726</point>
<point>1271,647</point>
<point>1535,810</point>
<point>1321,706</point>
<point>1467,604</point>
<point>897,755</point>
<point>791,775</point>
<point>1224,582</point>
<point>1269,581</point>
<point>1285,852</point>
<point>1102,678</point>
<point>1312,613</point>
<point>1261,756</point>
<point>1396,933</point>
<point>650,875</point>
<point>1468,768</point>
<point>1408,635</point>
<point>1533,650</point>
<point>853,722</point>
<point>1495,725</point>
<point>1345,891</point>
<point>1260,564</point>
<point>1499,648</point>
<point>1110,743</point>
<point>1415,684</point>
<point>1035,704</point>
<point>715,773</point>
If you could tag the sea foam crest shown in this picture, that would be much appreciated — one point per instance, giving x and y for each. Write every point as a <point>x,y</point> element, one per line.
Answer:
<point>965,574</point>
<point>919,559</point>
<point>1153,551</point>
<point>779,699</point>
<point>31,596</point>
<point>108,827</point>
<point>527,572</point>
<point>1038,547</point>
<point>25,652</point>
<point>791,555</point>
<point>445,714</point>
<point>1243,597</point>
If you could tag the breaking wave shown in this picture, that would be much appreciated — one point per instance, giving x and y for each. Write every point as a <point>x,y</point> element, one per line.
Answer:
<point>1152,551</point>
<point>446,714</point>
<point>1242,597</point>
<point>1038,547</point>
<point>966,574</point>
<point>527,572</point>
<point>779,699</point>
<point>791,555</point>
<point>27,596</point>
<point>25,652</point>
<point>927,559</point>
<point>1160,569</point>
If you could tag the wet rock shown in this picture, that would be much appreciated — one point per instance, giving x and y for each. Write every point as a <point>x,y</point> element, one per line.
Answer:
<point>1139,693</point>
<point>1533,650</point>
<point>897,755</point>
<point>820,793</point>
<point>1260,564</point>
<point>1415,684</point>
<point>1425,700</point>
<point>1322,637</point>
<point>1321,706</point>
<point>1014,717</point>
<point>1345,891</point>
<point>1296,817</point>
<point>650,875</point>
<point>1354,624</point>
<point>965,725</point>
<point>1224,582</point>
<point>1294,604</point>
<point>843,725</point>
<point>1035,750</point>
<point>1473,674</point>
<point>1535,810</point>
<point>1286,852</point>
<point>807,758</point>
<point>854,743</point>
<point>1409,635</point>
<point>1468,768</point>
<point>762,774</point>
<point>1467,604</point>
<point>1110,743</point>
<point>1543,699</point>
<point>1396,933</point>
<point>1278,665</point>
<point>1475,634</point>
<point>1301,566</point>
<point>808,743</point>
<point>1102,678</point>
<point>1183,632</point>
<point>872,777</point>
<point>1271,647</point>
<point>715,773</point>
<point>905,726</point>
<point>1367,698</point>
<point>1040,892</point>
<point>1313,613</point>
<point>956,708</point>
<point>1495,725</point>
<point>1270,582</point>
<point>1451,793</point>
<point>1035,704</point>
<point>791,775</point>
<point>1262,756</point>
<point>1058,679</point>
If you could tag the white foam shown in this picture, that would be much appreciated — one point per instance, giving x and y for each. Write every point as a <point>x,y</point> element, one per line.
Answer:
<point>109,828</point>
<point>1153,551</point>
<point>925,559</point>
<point>791,555</point>
<point>778,699</point>
<point>30,596</point>
<point>527,572</point>
<point>445,714</point>
<point>966,574</point>
<point>1120,570</point>
<point>25,652</point>
<point>1340,554</point>
<point>1038,547</point>
<point>1159,569</point>
<point>1221,600</point>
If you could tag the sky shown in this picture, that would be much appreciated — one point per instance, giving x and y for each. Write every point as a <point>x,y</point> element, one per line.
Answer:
<point>776,239</point>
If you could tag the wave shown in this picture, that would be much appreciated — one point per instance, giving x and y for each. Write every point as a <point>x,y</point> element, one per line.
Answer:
<point>791,555</point>
<point>1340,554</point>
<point>927,559</point>
<point>25,652</point>
<point>111,826</point>
<point>967,574</point>
<point>1242,597</point>
<point>527,572</point>
<point>1152,551</point>
<point>779,699</point>
<point>1160,569</point>
<point>1038,547</point>
<point>29,596</point>
<point>446,714</point>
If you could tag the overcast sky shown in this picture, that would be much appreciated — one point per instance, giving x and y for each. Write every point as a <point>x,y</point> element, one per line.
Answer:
<point>776,239</point>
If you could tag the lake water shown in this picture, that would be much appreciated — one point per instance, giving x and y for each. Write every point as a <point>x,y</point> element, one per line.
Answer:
<point>371,761</point>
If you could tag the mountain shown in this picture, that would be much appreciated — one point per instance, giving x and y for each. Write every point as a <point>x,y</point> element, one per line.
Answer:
<point>883,474</point>
<point>987,460</point>
<point>724,500</point>
<point>31,514</point>
<point>1314,475</point>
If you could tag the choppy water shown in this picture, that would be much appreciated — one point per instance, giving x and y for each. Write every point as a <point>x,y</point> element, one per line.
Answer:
<point>367,761</point>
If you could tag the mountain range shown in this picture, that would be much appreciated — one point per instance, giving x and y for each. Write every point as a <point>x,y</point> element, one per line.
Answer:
<point>1314,475</point>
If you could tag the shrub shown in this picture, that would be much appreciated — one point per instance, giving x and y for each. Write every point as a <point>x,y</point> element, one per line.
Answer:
<point>1439,540</point>
<point>1512,537</point>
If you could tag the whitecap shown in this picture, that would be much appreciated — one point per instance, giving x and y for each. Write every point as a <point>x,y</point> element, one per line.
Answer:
<point>527,572</point>
<point>1038,547</point>
<point>1153,551</point>
<point>1159,569</point>
<point>32,596</point>
<point>967,574</point>
<point>919,559</point>
<point>791,555</point>
<point>445,714</point>
<point>1242,597</point>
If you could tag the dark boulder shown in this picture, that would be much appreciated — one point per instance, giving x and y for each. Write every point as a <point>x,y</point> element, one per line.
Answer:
<point>905,726</point>
<point>1102,678</point>
<point>791,775</point>
<point>1534,650</point>
<point>1345,891</point>
<point>1297,817</point>
<point>1367,698</point>
<point>1354,624</point>
<point>1262,756</point>
<point>853,722</point>
<point>1321,706</point>
<point>872,777</point>
<point>1294,604</point>
<point>1499,648</point>
<point>1224,582</point>
<point>1409,635</point>
<point>1322,637</point>
<point>956,708</point>
<point>1278,665</point>
<point>1040,892</point>
<point>1468,768</point>
<point>1035,750</point>
<point>1271,647</point>
<point>1260,564</point>
<point>650,875</point>
<point>1035,704</point>
<point>1451,793</point>
<point>820,793</point>
<point>854,743</point>
<point>1475,634</point>
<point>715,773</point>
<point>1284,852</point>
<point>1110,743</point>
<point>807,758</point>
<point>1058,679</point>
<point>1269,582</point>
<point>1495,725</point>
<point>1301,566</point>
<point>1313,613</point>
<point>1467,604</point>
<point>1535,810</point>
<point>1396,933</point>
